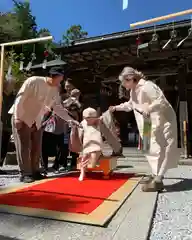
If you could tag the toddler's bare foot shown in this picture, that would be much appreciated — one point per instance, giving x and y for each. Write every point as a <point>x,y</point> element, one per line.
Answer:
<point>82,175</point>
<point>81,178</point>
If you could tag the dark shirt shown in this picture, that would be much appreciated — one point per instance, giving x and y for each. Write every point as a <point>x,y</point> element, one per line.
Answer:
<point>8,101</point>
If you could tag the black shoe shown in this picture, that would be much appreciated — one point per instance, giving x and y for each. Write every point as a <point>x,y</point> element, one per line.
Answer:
<point>38,176</point>
<point>55,168</point>
<point>27,179</point>
<point>45,168</point>
<point>62,169</point>
<point>21,178</point>
<point>44,172</point>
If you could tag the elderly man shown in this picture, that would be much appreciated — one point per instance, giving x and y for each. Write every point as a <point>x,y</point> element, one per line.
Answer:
<point>33,99</point>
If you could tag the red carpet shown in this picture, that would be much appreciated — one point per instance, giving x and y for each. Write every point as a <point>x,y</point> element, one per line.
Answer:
<point>67,194</point>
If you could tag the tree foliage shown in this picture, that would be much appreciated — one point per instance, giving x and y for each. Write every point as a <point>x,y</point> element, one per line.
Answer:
<point>44,32</point>
<point>27,21</point>
<point>20,24</point>
<point>75,32</point>
<point>9,27</point>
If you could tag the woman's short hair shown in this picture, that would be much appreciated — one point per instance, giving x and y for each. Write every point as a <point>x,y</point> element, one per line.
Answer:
<point>129,73</point>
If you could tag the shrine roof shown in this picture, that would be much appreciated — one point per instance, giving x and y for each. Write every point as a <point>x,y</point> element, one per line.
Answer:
<point>113,47</point>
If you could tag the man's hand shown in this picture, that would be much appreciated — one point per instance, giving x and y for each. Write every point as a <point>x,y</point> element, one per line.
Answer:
<point>18,124</point>
<point>112,109</point>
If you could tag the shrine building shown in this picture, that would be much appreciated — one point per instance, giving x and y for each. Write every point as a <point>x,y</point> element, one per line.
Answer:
<point>163,53</point>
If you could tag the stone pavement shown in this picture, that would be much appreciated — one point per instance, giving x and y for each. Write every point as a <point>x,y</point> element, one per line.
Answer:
<point>173,218</point>
<point>132,222</point>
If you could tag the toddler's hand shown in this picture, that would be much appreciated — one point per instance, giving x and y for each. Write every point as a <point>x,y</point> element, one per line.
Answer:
<point>73,123</point>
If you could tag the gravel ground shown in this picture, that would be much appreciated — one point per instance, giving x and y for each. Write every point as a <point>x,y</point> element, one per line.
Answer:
<point>12,178</point>
<point>173,218</point>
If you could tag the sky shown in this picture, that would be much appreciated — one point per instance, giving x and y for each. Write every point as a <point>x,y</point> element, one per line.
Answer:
<point>97,17</point>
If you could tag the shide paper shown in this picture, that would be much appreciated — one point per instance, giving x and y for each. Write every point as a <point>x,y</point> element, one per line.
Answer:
<point>125,4</point>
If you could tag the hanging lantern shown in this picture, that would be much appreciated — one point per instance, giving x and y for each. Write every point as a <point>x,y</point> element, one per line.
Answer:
<point>154,43</point>
<point>138,44</point>
<point>155,38</point>
<point>138,41</point>
<point>46,55</point>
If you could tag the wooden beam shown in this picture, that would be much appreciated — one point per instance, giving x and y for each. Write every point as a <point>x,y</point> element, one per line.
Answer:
<point>162,18</point>
<point>28,41</point>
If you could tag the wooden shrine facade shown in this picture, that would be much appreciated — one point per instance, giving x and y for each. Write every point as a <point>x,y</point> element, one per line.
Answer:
<point>95,63</point>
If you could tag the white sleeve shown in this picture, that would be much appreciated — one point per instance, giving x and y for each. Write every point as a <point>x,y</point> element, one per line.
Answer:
<point>23,93</point>
<point>126,106</point>
<point>59,109</point>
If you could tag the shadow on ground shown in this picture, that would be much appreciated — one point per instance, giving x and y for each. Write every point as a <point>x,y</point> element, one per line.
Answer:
<point>124,166</point>
<point>7,238</point>
<point>9,172</point>
<point>184,185</point>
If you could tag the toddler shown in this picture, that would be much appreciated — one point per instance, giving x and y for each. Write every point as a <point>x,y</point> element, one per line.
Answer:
<point>91,140</point>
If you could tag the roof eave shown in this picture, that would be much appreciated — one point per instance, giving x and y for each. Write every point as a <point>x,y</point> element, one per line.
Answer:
<point>129,33</point>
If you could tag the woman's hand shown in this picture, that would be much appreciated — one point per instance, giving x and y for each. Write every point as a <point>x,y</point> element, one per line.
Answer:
<point>145,110</point>
<point>112,109</point>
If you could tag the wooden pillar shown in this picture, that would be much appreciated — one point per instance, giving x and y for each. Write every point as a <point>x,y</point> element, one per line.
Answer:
<point>183,109</point>
<point>162,83</point>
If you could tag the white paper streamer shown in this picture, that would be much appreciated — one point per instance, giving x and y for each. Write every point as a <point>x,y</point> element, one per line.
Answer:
<point>8,76</point>
<point>125,4</point>
<point>29,65</point>
<point>9,70</point>
<point>21,65</point>
<point>44,64</point>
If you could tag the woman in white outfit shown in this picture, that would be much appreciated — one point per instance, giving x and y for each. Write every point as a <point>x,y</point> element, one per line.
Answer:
<point>148,98</point>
